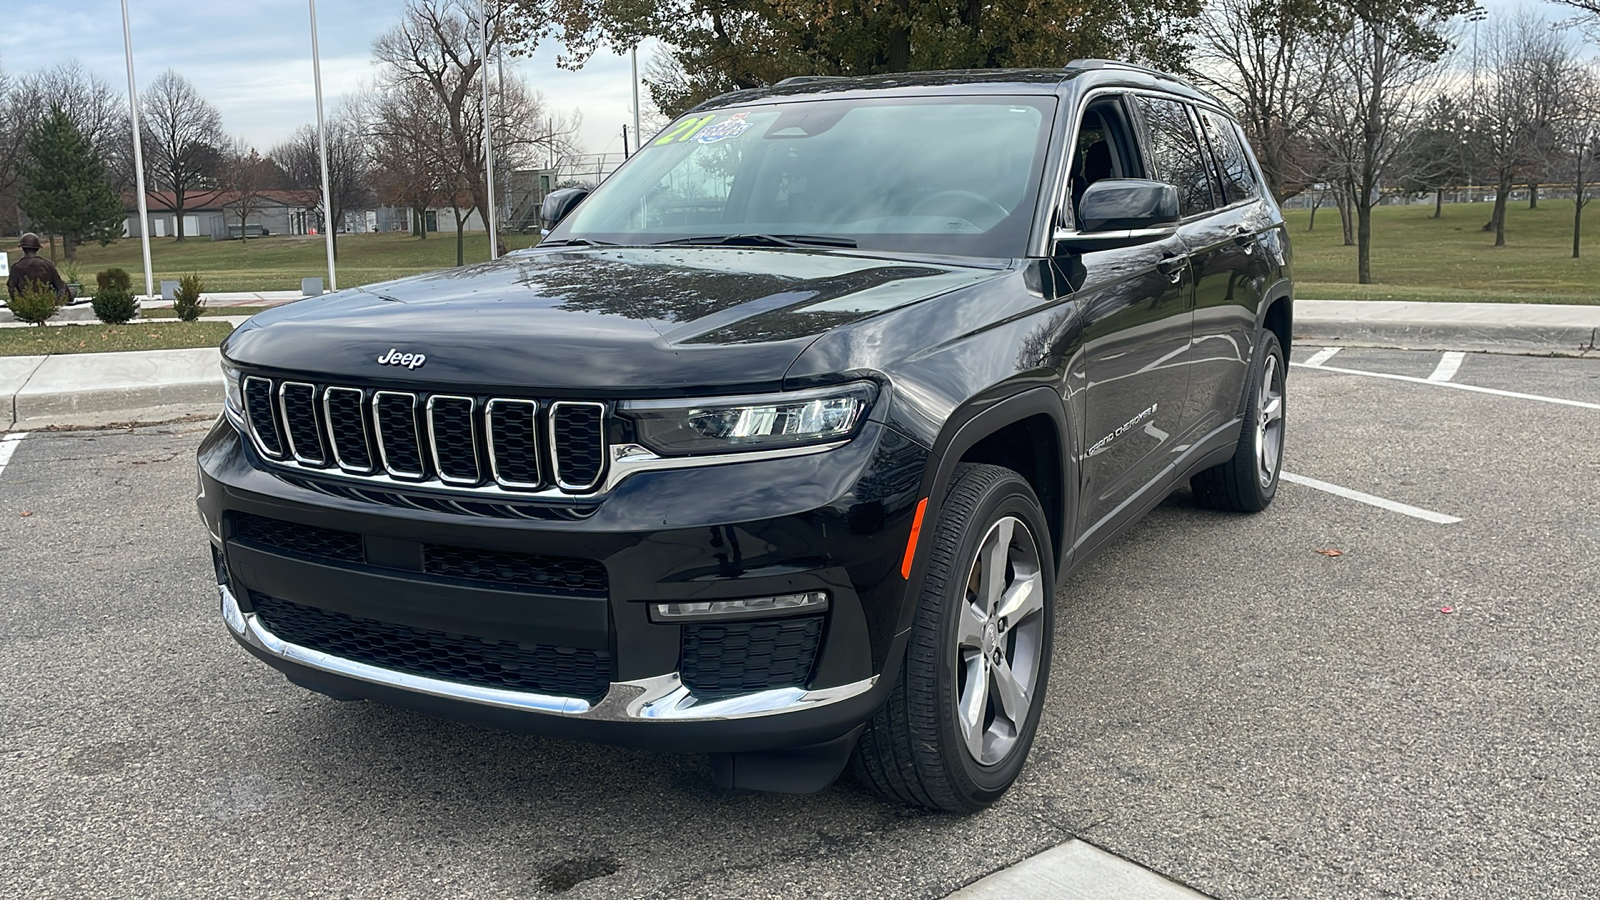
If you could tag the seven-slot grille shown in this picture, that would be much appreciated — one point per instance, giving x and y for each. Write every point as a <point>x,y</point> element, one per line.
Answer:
<point>454,441</point>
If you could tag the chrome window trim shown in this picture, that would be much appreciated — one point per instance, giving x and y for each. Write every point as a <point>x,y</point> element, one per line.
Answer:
<point>555,454</point>
<point>472,426</point>
<point>383,452</point>
<point>288,432</point>
<point>333,442</point>
<point>250,421</point>
<point>494,465</point>
<point>660,698</point>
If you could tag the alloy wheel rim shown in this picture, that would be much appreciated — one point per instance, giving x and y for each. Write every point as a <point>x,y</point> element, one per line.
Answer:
<point>999,641</point>
<point>1269,422</point>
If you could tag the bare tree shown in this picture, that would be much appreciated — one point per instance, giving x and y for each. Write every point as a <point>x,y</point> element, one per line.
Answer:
<point>98,112</point>
<point>183,140</point>
<point>410,166</point>
<point>1271,59</point>
<point>1387,55</point>
<point>436,48</point>
<point>1580,137</point>
<point>245,176</point>
<point>1519,106</point>
<point>349,166</point>
<point>12,138</point>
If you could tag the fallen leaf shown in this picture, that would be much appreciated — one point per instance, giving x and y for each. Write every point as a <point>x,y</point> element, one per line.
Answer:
<point>1330,552</point>
<point>26,513</point>
<point>1447,609</point>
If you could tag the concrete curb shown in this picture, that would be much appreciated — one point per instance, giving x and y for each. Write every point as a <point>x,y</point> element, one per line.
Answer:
<point>1523,329</point>
<point>108,388</point>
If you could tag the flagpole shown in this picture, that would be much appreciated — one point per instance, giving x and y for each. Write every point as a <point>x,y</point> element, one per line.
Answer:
<point>138,155</point>
<point>638,136</point>
<point>488,142</point>
<point>328,224</point>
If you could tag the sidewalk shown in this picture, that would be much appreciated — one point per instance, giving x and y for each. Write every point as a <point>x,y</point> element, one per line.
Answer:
<point>159,385</point>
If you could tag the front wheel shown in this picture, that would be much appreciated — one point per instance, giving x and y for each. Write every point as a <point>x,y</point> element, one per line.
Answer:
<point>957,727</point>
<point>1249,481</point>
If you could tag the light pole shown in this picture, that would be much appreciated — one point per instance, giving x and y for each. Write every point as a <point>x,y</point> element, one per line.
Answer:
<point>1475,15</point>
<point>488,142</point>
<point>138,155</point>
<point>638,137</point>
<point>322,154</point>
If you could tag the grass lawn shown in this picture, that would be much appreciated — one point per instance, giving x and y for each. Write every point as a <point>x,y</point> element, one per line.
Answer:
<point>111,338</point>
<point>1417,257</point>
<point>278,263</point>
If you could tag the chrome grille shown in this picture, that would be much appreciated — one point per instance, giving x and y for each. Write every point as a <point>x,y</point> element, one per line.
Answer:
<point>514,442</point>
<point>262,418</point>
<point>394,417</point>
<point>347,425</point>
<point>494,445</point>
<point>578,444</point>
<point>299,402</point>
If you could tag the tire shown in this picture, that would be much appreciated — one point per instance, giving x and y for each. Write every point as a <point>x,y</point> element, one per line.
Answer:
<point>1249,481</point>
<point>921,749</point>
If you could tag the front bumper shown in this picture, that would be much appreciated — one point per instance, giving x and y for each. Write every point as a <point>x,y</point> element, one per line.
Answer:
<point>836,522</point>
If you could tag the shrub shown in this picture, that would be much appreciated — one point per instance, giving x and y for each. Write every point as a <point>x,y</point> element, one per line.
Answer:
<point>186,303</point>
<point>114,279</point>
<point>114,303</point>
<point>36,303</point>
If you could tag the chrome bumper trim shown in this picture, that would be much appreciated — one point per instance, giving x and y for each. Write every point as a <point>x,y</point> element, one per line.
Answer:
<point>662,698</point>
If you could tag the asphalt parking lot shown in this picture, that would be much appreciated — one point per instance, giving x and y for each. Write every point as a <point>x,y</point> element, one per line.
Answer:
<point>1233,704</point>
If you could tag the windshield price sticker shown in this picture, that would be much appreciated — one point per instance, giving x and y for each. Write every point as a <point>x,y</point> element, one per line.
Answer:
<point>684,130</point>
<point>732,128</point>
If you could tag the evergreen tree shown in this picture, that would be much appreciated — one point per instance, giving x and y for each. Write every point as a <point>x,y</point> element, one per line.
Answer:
<point>67,191</point>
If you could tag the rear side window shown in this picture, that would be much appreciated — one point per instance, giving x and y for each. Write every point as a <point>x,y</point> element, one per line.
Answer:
<point>1238,179</point>
<point>1175,150</point>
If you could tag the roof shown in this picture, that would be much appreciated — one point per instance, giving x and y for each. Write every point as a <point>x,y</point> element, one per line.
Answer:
<point>216,201</point>
<point>968,81</point>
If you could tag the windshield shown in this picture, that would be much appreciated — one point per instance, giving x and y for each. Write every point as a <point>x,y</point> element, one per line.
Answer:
<point>940,175</point>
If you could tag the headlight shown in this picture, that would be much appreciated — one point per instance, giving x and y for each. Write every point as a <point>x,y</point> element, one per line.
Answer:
<point>763,422</point>
<point>233,400</point>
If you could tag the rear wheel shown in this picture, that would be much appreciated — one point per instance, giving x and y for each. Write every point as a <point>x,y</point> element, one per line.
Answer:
<point>957,728</point>
<point>1249,481</point>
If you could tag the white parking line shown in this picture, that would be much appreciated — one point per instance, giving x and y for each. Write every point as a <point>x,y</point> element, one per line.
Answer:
<point>1451,384</point>
<point>8,446</point>
<point>1448,365</point>
<point>1426,515</point>
<point>1321,356</point>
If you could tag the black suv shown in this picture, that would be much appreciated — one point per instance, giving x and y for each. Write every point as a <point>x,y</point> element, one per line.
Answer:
<point>777,447</point>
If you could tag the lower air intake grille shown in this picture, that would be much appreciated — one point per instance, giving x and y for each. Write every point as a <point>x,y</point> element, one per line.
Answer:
<point>464,659</point>
<point>737,658</point>
<point>300,541</point>
<point>556,574</point>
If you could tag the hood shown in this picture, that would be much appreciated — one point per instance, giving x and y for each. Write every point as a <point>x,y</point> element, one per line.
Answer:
<point>592,321</point>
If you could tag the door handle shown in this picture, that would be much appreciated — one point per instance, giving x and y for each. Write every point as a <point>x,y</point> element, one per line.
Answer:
<point>1171,265</point>
<point>1246,239</point>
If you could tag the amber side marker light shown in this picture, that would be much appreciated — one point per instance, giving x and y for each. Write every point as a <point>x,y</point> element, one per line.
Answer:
<point>911,542</point>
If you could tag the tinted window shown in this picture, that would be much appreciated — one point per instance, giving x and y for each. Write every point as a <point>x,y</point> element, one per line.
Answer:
<point>945,175</point>
<point>1175,150</point>
<point>1238,179</point>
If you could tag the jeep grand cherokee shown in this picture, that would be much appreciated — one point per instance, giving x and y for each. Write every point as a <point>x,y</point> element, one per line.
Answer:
<point>778,446</point>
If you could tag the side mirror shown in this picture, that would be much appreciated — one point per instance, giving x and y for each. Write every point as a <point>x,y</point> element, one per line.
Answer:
<point>558,204</point>
<point>1122,212</point>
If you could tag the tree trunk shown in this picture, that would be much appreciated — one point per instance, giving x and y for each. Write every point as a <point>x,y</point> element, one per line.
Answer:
<point>1363,243</point>
<point>1341,200</point>
<point>177,197</point>
<point>69,248</point>
<point>1499,220</point>
<point>1533,195</point>
<point>419,222</point>
<point>1577,217</point>
<point>461,247</point>
<point>1438,203</point>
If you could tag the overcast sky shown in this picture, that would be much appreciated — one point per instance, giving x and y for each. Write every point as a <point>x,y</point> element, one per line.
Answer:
<point>252,58</point>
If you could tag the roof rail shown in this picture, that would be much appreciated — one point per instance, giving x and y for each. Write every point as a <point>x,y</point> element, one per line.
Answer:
<point>809,79</point>
<point>1114,64</point>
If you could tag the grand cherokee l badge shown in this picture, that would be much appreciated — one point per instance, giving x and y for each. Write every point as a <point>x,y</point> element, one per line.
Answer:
<point>396,358</point>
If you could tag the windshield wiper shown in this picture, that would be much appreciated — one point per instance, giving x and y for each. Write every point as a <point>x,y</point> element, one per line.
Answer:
<point>576,242</point>
<point>767,240</point>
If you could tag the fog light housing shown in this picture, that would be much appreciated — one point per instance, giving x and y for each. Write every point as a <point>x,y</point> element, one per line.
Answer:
<point>752,608</point>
